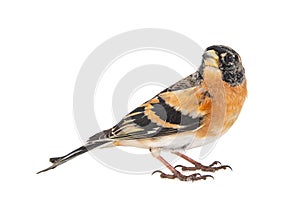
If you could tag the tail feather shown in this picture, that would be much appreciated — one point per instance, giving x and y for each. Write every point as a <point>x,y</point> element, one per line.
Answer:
<point>53,160</point>
<point>83,149</point>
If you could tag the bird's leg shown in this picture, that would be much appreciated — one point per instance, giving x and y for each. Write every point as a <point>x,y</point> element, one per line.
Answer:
<point>197,165</point>
<point>177,174</point>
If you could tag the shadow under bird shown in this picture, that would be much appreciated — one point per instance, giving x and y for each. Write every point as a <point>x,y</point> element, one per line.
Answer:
<point>193,112</point>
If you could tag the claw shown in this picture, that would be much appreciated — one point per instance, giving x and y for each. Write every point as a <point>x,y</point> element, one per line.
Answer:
<point>207,176</point>
<point>157,171</point>
<point>179,166</point>
<point>225,167</point>
<point>163,175</point>
<point>215,163</point>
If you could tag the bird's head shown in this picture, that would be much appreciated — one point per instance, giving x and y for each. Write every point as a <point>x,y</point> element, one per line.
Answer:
<point>226,60</point>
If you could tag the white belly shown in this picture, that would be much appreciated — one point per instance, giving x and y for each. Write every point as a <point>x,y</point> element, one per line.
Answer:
<point>169,143</point>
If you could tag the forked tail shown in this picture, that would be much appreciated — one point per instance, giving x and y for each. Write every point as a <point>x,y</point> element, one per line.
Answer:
<point>60,160</point>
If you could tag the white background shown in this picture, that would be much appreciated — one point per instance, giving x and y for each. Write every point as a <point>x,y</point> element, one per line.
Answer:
<point>43,45</point>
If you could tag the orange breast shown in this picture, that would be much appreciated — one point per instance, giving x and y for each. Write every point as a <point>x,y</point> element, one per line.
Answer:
<point>233,101</point>
<point>235,97</point>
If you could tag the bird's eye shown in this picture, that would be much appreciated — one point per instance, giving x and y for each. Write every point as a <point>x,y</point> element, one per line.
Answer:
<point>229,58</point>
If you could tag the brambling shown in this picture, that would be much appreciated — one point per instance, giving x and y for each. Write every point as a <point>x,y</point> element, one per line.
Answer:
<point>191,113</point>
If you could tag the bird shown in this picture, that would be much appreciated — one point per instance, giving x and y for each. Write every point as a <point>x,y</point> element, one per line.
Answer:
<point>193,112</point>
